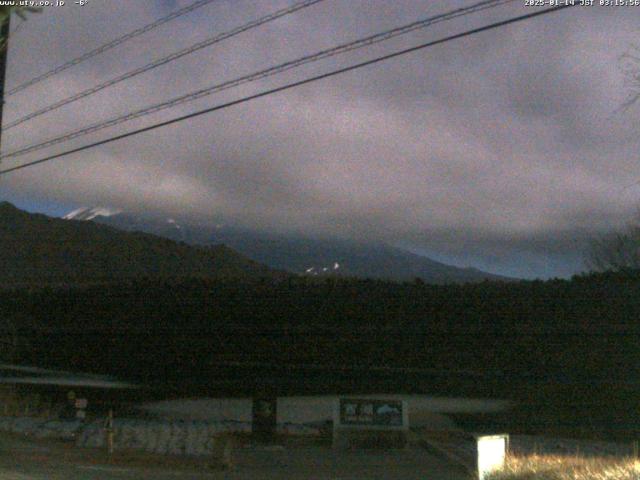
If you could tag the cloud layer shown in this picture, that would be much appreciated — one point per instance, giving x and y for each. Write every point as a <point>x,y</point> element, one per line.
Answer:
<point>505,150</point>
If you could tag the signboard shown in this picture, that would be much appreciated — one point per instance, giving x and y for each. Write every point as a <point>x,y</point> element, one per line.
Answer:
<point>370,422</point>
<point>371,413</point>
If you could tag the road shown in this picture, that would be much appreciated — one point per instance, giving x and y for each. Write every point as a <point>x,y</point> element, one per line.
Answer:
<point>23,459</point>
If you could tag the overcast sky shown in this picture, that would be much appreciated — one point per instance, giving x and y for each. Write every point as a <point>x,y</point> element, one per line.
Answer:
<point>504,151</point>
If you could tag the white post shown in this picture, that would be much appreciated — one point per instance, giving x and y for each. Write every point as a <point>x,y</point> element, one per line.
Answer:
<point>491,453</point>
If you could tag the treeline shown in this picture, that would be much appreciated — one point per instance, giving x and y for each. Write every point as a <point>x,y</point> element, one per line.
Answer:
<point>530,340</point>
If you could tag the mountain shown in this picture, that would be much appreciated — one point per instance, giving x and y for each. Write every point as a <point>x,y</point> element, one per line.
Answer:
<point>299,255</point>
<point>349,258</point>
<point>85,213</point>
<point>40,249</point>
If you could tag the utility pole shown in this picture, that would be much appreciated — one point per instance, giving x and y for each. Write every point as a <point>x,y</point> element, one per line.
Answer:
<point>4,36</point>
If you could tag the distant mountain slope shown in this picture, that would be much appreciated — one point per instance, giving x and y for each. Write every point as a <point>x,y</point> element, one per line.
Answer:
<point>37,248</point>
<point>301,255</point>
<point>358,259</point>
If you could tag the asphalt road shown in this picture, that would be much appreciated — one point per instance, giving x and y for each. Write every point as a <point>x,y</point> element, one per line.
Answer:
<point>22,459</point>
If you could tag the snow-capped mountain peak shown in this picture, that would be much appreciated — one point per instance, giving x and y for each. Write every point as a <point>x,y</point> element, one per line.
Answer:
<point>87,213</point>
<point>171,221</point>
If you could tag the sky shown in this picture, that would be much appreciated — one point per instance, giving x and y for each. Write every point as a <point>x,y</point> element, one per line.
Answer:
<point>506,151</point>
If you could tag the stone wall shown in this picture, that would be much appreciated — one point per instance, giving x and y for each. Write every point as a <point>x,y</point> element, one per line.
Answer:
<point>164,437</point>
<point>41,428</point>
<point>194,438</point>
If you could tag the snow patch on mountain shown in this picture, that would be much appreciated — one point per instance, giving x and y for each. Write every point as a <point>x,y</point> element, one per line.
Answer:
<point>320,270</point>
<point>171,221</point>
<point>87,213</point>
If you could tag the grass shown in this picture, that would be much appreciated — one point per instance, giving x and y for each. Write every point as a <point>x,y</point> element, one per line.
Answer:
<point>554,467</point>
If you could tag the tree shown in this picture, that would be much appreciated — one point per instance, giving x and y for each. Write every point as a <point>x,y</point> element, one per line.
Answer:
<point>20,11</point>
<point>617,251</point>
<point>8,336</point>
<point>5,14</point>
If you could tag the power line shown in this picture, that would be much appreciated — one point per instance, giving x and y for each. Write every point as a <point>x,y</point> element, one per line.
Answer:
<point>347,47</point>
<point>292,85</point>
<point>110,45</point>
<point>164,60</point>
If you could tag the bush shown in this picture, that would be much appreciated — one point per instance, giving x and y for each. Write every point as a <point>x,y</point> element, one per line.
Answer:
<point>552,467</point>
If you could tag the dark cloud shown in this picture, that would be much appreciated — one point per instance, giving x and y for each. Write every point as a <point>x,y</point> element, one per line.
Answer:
<point>504,150</point>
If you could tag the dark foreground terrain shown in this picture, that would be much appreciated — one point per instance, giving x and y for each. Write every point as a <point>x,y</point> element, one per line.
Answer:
<point>21,459</point>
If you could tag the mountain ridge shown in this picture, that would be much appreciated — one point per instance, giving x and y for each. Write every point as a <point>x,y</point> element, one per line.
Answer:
<point>42,249</point>
<point>302,255</point>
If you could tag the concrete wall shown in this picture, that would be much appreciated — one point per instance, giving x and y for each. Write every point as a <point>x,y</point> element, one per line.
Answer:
<point>424,411</point>
<point>210,409</point>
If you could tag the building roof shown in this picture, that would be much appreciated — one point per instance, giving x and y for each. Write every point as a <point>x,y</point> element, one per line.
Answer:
<point>28,375</point>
